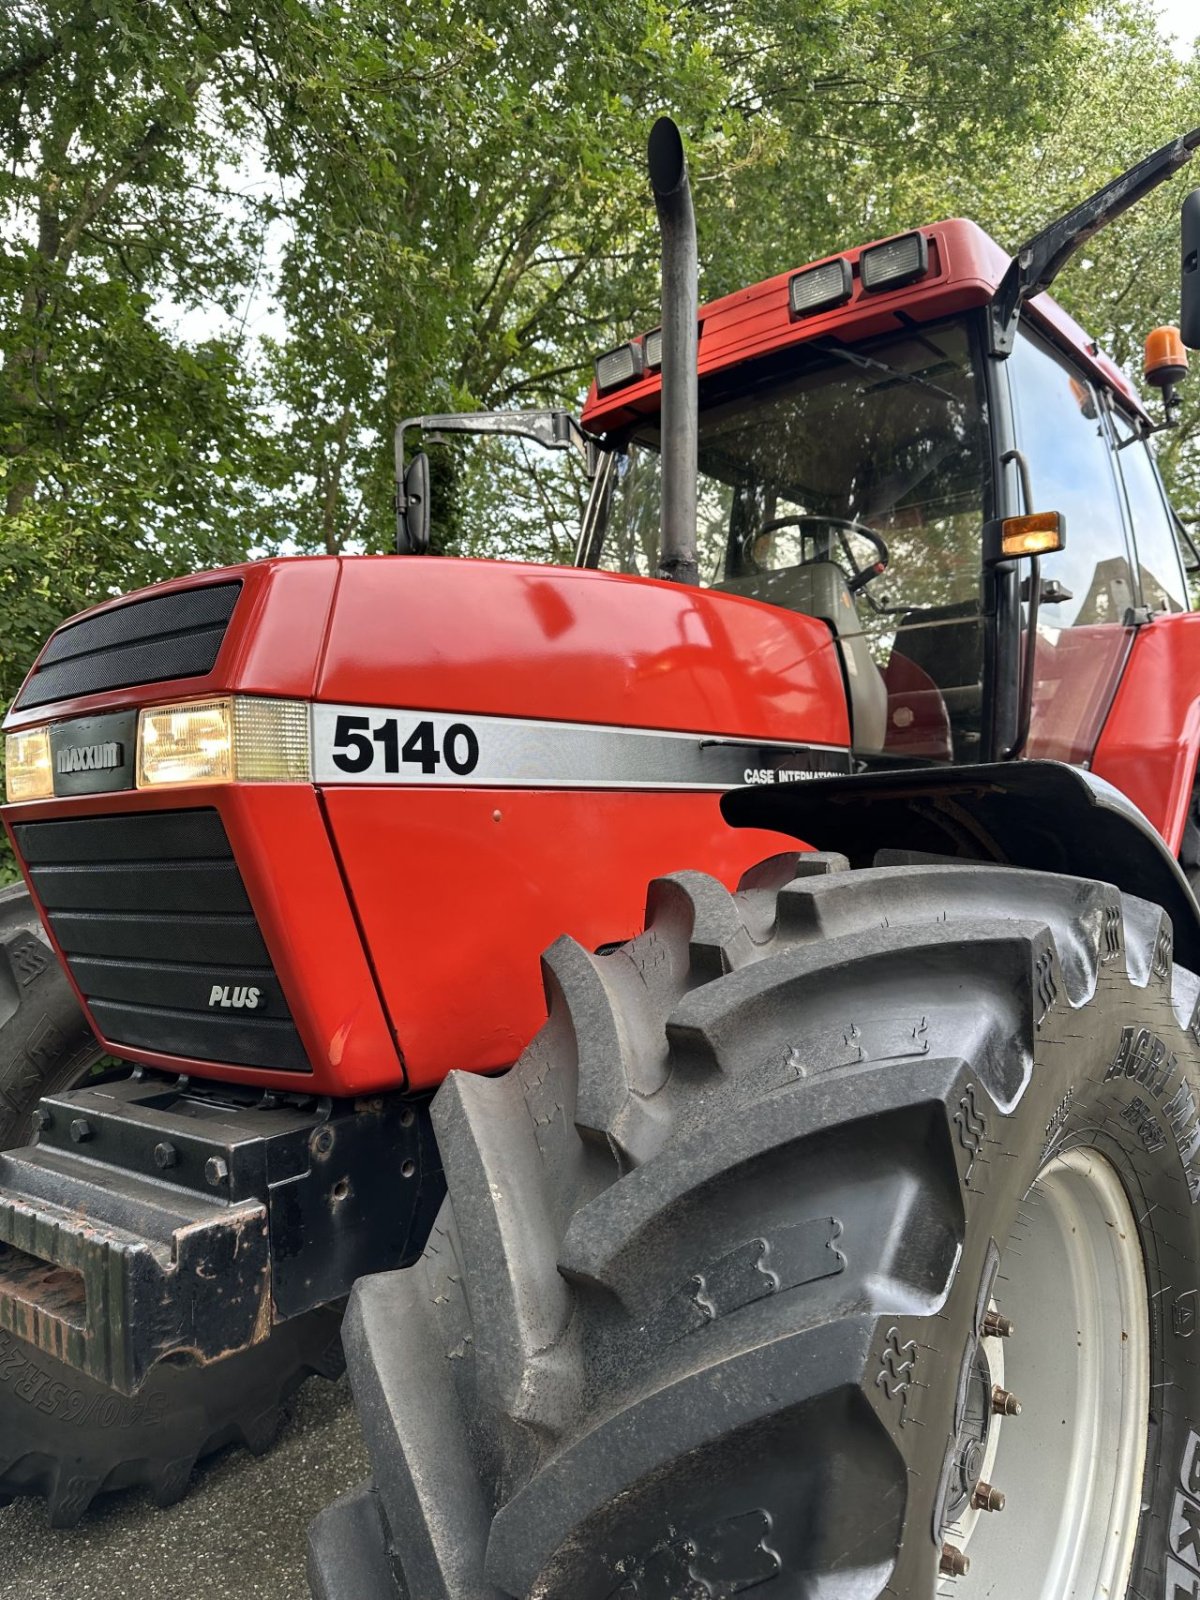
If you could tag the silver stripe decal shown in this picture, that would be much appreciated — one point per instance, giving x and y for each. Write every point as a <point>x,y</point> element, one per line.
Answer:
<point>385,745</point>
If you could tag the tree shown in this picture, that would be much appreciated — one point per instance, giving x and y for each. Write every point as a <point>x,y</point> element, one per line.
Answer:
<point>509,248</point>
<point>1120,92</point>
<point>126,452</point>
<point>451,202</point>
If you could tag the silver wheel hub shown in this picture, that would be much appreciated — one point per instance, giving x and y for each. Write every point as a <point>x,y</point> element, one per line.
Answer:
<point>1070,1465</point>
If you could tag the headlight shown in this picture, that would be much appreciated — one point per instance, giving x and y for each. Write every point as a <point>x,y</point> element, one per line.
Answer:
<point>240,738</point>
<point>28,774</point>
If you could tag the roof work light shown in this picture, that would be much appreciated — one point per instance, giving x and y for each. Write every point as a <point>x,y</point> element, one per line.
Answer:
<point>619,366</point>
<point>897,261</point>
<point>820,288</point>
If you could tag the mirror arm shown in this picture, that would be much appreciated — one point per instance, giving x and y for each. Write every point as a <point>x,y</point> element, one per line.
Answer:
<point>554,430</point>
<point>1172,403</point>
<point>1039,261</point>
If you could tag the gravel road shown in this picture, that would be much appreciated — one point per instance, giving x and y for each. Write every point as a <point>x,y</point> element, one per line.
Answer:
<point>239,1534</point>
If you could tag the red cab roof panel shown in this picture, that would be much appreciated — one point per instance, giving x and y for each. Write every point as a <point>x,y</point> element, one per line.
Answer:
<point>964,271</point>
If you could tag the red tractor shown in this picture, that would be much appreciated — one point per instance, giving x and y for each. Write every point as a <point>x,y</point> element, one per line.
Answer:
<point>839,1229</point>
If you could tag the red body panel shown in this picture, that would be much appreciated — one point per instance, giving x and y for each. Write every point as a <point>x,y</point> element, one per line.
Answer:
<point>280,840</point>
<point>1076,675</point>
<point>965,269</point>
<point>405,922</point>
<point>458,892</point>
<point>1151,740</point>
<point>563,643</point>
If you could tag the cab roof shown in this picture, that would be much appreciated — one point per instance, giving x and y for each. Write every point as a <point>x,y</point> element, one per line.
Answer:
<point>965,266</point>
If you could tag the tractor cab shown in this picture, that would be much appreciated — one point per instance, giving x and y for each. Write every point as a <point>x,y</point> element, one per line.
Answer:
<point>849,462</point>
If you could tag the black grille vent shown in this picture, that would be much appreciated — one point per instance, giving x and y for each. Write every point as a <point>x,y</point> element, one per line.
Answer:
<point>150,641</point>
<point>152,914</point>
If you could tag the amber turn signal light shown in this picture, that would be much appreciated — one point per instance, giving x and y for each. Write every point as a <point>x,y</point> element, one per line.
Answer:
<point>1166,358</point>
<point>1038,534</point>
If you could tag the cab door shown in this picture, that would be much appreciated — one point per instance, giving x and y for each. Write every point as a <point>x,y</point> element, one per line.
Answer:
<point>1089,595</point>
<point>1159,572</point>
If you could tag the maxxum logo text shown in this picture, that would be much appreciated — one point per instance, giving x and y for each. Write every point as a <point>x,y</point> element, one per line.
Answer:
<point>89,757</point>
<point>230,995</point>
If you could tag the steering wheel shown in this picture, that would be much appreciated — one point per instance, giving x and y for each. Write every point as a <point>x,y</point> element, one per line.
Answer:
<point>862,575</point>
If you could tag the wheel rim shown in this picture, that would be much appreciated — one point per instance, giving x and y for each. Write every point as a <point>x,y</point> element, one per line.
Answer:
<point>1072,1279</point>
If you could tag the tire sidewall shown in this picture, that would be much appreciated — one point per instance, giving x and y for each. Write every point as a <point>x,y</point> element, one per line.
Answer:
<point>78,1437</point>
<point>46,1044</point>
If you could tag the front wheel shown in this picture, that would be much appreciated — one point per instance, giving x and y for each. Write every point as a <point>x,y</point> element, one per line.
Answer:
<point>838,1238</point>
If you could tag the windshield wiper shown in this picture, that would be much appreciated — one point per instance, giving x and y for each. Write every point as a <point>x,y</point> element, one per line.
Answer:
<point>872,364</point>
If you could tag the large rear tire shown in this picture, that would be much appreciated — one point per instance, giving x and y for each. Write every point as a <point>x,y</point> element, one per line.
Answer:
<point>62,1434</point>
<point>718,1297</point>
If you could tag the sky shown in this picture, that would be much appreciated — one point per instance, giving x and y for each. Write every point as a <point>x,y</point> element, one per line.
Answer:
<point>1182,19</point>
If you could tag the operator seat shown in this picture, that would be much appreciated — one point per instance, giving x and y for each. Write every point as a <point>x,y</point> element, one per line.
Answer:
<point>946,644</point>
<point>818,588</point>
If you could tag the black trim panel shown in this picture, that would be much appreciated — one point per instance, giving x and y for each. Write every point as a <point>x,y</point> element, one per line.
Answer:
<point>152,914</point>
<point>174,984</point>
<point>175,835</point>
<point>239,1040</point>
<point>141,886</point>
<point>1044,816</point>
<point>141,937</point>
<point>148,641</point>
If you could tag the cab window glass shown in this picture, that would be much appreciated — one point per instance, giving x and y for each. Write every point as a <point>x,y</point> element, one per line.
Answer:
<point>1061,432</point>
<point>632,532</point>
<point>1159,568</point>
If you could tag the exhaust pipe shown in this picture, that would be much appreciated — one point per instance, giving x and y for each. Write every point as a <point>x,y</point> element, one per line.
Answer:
<point>680,412</point>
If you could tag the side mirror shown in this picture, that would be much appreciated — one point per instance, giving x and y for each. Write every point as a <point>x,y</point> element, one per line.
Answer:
<point>1189,287</point>
<point>412,508</point>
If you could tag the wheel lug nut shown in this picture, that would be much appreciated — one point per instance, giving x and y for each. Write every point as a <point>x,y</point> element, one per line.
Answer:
<point>994,1326</point>
<point>986,1498</point>
<point>953,1563</point>
<point>1005,1404</point>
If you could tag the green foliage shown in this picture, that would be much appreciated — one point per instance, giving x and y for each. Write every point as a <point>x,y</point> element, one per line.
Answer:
<point>1120,93</point>
<point>126,453</point>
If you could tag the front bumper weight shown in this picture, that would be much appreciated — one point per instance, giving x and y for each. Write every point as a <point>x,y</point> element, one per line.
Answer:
<point>160,1218</point>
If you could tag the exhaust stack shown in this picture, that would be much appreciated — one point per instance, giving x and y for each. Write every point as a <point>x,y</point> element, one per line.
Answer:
<point>680,423</point>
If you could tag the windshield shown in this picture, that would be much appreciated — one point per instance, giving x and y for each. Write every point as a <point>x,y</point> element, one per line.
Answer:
<point>888,435</point>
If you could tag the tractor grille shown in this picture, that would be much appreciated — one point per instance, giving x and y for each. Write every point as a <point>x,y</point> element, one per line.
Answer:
<point>153,917</point>
<point>149,641</point>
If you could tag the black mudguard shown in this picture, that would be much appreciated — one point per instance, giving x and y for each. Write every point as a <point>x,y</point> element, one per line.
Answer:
<point>1042,815</point>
